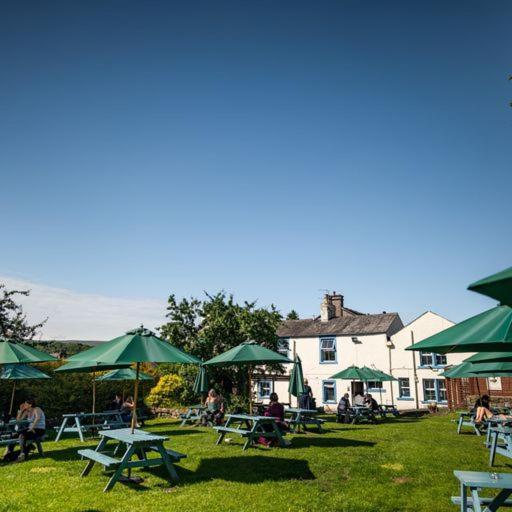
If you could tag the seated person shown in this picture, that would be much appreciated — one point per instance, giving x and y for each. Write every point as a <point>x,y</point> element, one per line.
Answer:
<point>127,408</point>
<point>359,400</point>
<point>117,402</point>
<point>36,429</point>
<point>214,409</point>
<point>274,410</point>
<point>371,403</point>
<point>343,409</point>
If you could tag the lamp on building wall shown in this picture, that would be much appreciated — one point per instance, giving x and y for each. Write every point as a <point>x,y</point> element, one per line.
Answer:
<point>356,340</point>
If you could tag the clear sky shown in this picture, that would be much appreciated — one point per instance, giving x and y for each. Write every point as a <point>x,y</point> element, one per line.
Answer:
<point>271,149</point>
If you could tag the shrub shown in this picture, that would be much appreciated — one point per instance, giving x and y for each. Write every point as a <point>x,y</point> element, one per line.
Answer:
<point>167,392</point>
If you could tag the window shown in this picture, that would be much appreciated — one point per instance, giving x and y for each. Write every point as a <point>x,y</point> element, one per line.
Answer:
<point>329,392</point>
<point>373,384</point>
<point>283,346</point>
<point>327,350</point>
<point>431,359</point>
<point>434,390</point>
<point>264,388</point>
<point>404,388</point>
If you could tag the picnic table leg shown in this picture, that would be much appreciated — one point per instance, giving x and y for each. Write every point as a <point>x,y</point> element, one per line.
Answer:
<point>168,463</point>
<point>277,432</point>
<point>91,462</point>
<point>476,505</point>
<point>119,471</point>
<point>499,500</point>
<point>79,428</point>
<point>222,434</point>
<point>494,443</point>
<point>61,429</point>
<point>463,498</point>
<point>185,418</point>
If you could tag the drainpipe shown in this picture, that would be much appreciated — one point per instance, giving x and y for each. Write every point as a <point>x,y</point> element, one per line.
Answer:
<point>390,344</point>
<point>415,373</point>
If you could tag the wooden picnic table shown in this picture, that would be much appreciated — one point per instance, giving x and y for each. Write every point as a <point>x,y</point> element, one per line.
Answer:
<point>139,443</point>
<point>386,409</point>
<point>86,421</point>
<point>251,427</point>
<point>193,414</point>
<point>8,434</point>
<point>474,481</point>
<point>492,423</point>
<point>360,413</point>
<point>298,417</point>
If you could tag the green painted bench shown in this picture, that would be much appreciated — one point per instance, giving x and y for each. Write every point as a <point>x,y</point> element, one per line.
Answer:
<point>298,418</point>
<point>467,419</point>
<point>472,482</point>
<point>192,415</point>
<point>82,423</point>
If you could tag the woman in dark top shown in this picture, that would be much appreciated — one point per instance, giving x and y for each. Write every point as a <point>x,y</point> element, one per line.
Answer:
<point>275,410</point>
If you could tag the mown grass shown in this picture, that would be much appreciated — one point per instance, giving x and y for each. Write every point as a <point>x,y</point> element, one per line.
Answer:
<point>399,465</point>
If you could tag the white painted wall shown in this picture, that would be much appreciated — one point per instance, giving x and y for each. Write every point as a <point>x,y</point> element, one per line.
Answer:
<point>373,351</point>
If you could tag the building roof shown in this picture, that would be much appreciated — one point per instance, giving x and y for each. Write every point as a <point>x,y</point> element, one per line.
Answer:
<point>385,323</point>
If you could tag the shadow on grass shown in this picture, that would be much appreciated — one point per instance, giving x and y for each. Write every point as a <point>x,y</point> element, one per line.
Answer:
<point>328,442</point>
<point>250,469</point>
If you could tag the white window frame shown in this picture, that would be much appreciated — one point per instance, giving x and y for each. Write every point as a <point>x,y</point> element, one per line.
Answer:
<point>283,346</point>
<point>332,350</point>
<point>402,386</point>
<point>270,389</point>
<point>332,385</point>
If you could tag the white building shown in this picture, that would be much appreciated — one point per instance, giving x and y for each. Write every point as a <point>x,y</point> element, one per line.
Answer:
<point>341,337</point>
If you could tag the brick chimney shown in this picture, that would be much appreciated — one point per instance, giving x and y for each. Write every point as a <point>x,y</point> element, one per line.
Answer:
<point>327,310</point>
<point>337,302</point>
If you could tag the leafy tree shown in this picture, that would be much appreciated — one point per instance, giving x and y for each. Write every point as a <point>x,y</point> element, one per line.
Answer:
<point>210,327</point>
<point>292,315</point>
<point>13,320</point>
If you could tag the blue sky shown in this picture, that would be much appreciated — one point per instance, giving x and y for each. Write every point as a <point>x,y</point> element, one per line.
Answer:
<point>271,149</point>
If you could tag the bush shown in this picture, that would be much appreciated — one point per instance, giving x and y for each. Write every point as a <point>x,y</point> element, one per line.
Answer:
<point>167,392</point>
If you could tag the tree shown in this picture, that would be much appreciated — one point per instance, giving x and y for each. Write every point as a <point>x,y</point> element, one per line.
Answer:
<point>13,320</point>
<point>292,315</point>
<point>210,327</point>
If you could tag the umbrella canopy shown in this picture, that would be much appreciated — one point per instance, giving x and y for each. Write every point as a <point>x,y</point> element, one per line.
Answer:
<point>498,286</point>
<point>355,373</point>
<point>489,357</point>
<point>89,367</point>
<point>380,376</point>
<point>296,384</point>
<point>202,383</point>
<point>21,372</point>
<point>459,371</point>
<point>15,352</point>
<point>248,352</point>
<point>136,346</point>
<point>489,331</point>
<point>482,369</point>
<point>123,374</point>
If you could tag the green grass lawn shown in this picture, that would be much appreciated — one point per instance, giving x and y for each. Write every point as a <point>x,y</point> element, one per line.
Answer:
<point>401,464</point>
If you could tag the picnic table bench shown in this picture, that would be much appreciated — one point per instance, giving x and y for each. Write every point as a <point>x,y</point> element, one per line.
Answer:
<point>301,418</point>
<point>139,444</point>
<point>386,409</point>
<point>87,422</point>
<point>252,428</point>
<point>474,481</point>
<point>8,435</point>
<point>192,415</point>
<point>467,419</point>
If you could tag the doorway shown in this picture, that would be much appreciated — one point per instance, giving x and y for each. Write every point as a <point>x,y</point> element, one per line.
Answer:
<point>357,387</point>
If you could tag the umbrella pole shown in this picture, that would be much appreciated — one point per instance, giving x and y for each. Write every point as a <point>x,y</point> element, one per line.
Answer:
<point>250,389</point>
<point>12,398</point>
<point>135,398</point>
<point>93,395</point>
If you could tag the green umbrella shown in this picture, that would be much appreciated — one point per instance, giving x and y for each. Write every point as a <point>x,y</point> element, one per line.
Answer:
<point>296,384</point>
<point>459,371</point>
<point>248,353</point>
<point>136,346</point>
<point>16,372</point>
<point>89,367</point>
<point>202,383</point>
<point>498,286</point>
<point>489,331</point>
<point>15,352</point>
<point>124,374</point>
<point>380,376</point>
<point>489,357</point>
<point>355,373</point>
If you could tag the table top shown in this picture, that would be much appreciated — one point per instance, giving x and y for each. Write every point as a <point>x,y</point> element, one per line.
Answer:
<point>302,411</point>
<point>198,406</point>
<point>360,407</point>
<point>249,417</point>
<point>91,414</point>
<point>500,429</point>
<point>484,479</point>
<point>126,436</point>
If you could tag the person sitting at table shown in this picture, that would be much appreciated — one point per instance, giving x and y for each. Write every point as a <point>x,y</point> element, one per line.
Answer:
<point>127,408</point>
<point>344,409</point>
<point>214,409</point>
<point>483,409</point>
<point>371,403</point>
<point>275,410</point>
<point>359,400</point>
<point>117,402</point>
<point>36,428</point>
